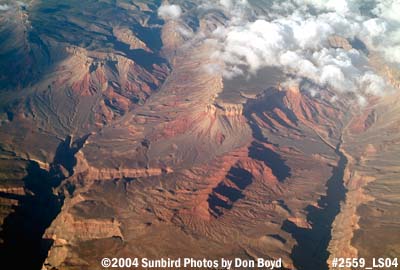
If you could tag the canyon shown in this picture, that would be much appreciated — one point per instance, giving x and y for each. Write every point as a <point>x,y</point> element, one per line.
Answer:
<point>119,141</point>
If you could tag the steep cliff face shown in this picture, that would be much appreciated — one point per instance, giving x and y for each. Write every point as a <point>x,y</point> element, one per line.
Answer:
<point>371,182</point>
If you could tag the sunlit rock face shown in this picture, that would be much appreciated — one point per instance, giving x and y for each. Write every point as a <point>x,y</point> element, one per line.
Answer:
<point>203,129</point>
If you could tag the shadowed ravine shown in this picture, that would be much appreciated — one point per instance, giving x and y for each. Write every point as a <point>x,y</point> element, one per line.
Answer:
<point>22,231</point>
<point>311,249</point>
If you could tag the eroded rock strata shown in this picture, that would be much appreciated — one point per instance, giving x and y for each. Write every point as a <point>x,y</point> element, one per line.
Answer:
<point>121,141</point>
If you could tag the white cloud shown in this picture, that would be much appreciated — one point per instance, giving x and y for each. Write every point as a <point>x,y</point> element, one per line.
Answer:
<point>4,7</point>
<point>166,11</point>
<point>297,46</point>
<point>372,83</point>
<point>295,37</point>
<point>226,3</point>
<point>388,41</point>
<point>388,10</point>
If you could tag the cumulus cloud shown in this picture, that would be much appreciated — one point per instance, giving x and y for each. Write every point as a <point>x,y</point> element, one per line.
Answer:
<point>226,3</point>
<point>388,43</point>
<point>388,9</point>
<point>4,7</point>
<point>295,36</point>
<point>167,11</point>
